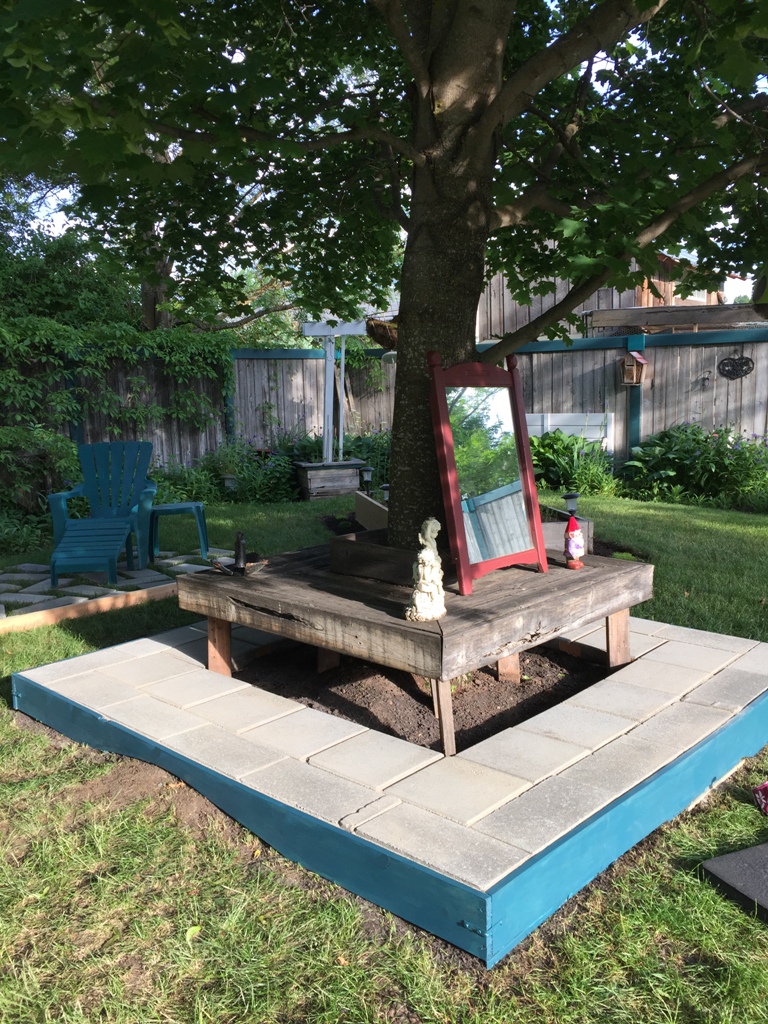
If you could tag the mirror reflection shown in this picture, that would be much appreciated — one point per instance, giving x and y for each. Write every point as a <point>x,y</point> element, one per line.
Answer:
<point>485,448</point>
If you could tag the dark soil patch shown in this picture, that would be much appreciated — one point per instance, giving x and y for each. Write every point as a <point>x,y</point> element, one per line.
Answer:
<point>399,704</point>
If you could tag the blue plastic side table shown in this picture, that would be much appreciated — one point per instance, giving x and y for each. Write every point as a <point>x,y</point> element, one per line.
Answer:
<point>178,508</point>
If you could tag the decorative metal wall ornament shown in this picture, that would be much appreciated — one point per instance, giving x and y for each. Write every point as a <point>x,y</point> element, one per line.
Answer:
<point>733,367</point>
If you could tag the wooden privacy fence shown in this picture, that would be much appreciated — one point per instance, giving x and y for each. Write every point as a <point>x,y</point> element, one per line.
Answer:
<point>689,378</point>
<point>281,391</point>
<point>172,440</point>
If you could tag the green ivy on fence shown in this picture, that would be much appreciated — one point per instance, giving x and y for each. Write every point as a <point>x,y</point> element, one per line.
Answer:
<point>53,375</point>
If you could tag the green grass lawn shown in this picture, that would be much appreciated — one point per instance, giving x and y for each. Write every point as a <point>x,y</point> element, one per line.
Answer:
<point>118,910</point>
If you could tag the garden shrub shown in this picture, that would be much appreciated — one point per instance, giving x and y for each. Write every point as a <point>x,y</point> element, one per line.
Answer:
<point>691,465</point>
<point>33,463</point>
<point>20,532</point>
<point>176,482</point>
<point>568,462</point>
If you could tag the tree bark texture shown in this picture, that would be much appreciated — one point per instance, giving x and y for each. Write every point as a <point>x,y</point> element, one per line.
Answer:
<point>458,74</point>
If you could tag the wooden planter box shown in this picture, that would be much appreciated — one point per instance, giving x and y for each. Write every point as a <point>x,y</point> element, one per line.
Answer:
<point>327,479</point>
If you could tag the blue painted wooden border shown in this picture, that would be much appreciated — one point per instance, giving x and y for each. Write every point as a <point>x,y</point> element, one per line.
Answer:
<point>424,897</point>
<point>538,888</point>
<point>488,925</point>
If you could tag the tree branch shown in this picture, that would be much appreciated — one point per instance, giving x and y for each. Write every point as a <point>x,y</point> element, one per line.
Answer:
<point>230,324</point>
<point>602,28</point>
<point>248,134</point>
<point>515,340</point>
<point>536,197</point>
<point>392,12</point>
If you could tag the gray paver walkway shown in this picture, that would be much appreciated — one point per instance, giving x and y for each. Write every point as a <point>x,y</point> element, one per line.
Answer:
<point>475,817</point>
<point>26,587</point>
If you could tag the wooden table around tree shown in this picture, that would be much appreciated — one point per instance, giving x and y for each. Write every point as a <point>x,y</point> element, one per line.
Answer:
<point>296,596</point>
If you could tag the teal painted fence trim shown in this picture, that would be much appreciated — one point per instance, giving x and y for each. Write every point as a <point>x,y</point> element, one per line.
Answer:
<point>293,353</point>
<point>278,353</point>
<point>635,343</point>
<point>530,895</point>
<point>441,905</point>
<point>619,341</point>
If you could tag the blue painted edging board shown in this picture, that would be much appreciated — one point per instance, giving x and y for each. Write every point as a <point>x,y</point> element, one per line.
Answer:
<point>488,925</point>
<point>536,890</point>
<point>440,905</point>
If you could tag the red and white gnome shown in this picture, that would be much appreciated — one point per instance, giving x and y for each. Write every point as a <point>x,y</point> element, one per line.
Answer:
<point>574,545</point>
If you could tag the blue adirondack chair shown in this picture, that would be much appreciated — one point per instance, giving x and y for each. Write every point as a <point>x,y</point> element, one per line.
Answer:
<point>120,496</point>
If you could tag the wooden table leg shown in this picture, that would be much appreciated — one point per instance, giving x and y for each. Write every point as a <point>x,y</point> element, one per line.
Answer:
<point>327,659</point>
<point>220,646</point>
<point>617,638</point>
<point>508,669</point>
<point>444,702</point>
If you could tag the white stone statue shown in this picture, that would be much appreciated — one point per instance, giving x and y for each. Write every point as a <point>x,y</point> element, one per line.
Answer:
<point>428,597</point>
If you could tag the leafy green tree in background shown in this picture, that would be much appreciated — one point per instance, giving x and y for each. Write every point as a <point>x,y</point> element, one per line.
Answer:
<point>56,276</point>
<point>549,138</point>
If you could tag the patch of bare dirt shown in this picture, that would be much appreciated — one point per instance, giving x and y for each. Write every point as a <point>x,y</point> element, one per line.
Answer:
<point>399,704</point>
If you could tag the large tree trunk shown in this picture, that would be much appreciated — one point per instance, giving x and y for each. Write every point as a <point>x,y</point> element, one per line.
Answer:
<point>152,316</point>
<point>442,280</point>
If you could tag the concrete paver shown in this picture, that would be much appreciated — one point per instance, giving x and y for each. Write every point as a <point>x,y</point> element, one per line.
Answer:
<point>542,814</point>
<point>617,697</point>
<point>524,754</point>
<point>458,788</point>
<point>464,854</point>
<point>245,709</point>
<point>353,821</point>
<point>192,688</point>
<point>650,626</point>
<point>58,602</point>
<point>720,641</point>
<point>94,690</point>
<point>639,643</point>
<point>673,679</point>
<point>681,726</point>
<point>326,796</point>
<point>755,660</point>
<point>731,689</point>
<point>218,749</point>
<point>153,718</point>
<point>24,578</point>
<point>565,721</point>
<point>21,598</point>
<point>305,733</point>
<point>374,759</point>
<point>619,766</point>
<point>151,669</point>
<point>84,590</point>
<point>676,652</point>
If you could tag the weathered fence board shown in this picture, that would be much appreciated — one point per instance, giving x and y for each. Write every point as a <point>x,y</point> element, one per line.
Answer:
<point>172,440</point>
<point>282,392</point>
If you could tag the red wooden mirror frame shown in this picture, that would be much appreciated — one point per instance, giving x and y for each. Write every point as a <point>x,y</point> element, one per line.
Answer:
<point>482,375</point>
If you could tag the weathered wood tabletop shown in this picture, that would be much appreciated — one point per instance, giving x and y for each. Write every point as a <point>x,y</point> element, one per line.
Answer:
<point>297,596</point>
